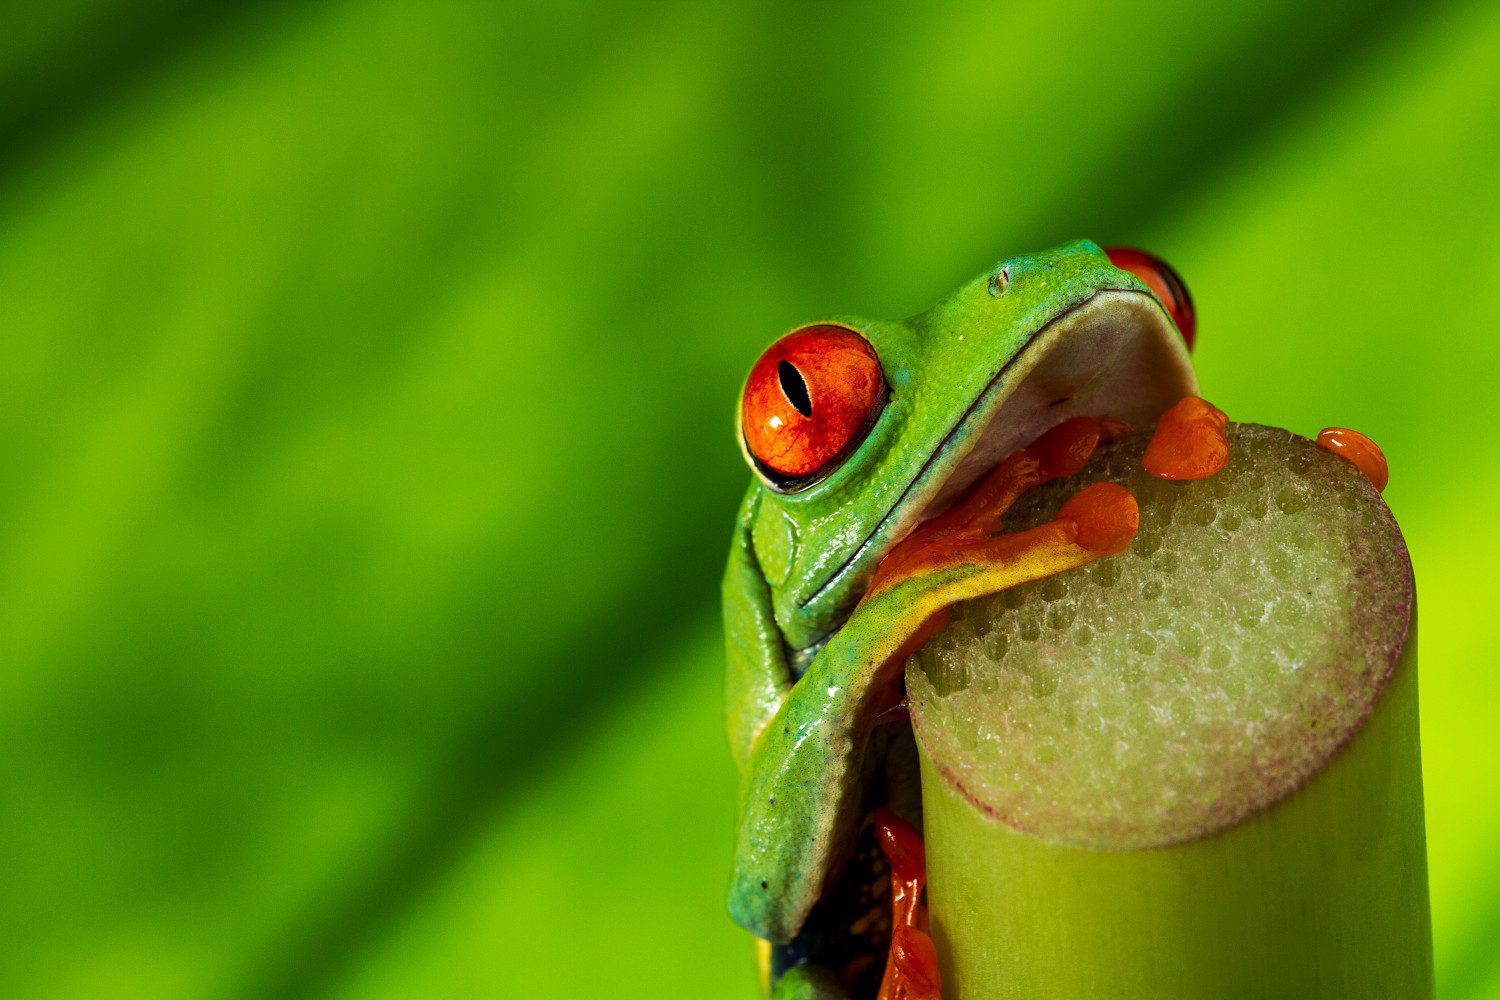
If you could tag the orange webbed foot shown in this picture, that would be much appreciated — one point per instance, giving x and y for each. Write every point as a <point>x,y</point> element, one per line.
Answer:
<point>1189,442</point>
<point>1360,450</point>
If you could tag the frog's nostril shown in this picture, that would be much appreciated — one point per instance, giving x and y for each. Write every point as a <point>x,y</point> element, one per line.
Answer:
<point>999,282</point>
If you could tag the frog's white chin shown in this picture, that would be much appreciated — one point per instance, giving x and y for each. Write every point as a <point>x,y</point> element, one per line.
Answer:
<point>1117,355</point>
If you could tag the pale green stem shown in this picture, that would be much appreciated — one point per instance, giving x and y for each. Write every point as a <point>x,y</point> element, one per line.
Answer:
<point>1324,894</point>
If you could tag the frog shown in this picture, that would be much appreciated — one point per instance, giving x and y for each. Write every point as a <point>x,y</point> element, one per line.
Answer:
<point>857,432</point>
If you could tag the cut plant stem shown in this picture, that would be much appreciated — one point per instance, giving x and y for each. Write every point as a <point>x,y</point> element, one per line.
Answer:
<point>1324,894</point>
<point>1193,769</point>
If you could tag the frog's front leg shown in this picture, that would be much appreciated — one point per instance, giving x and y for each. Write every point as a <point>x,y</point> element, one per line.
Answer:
<point>799,803</point>
<point>757,676</point>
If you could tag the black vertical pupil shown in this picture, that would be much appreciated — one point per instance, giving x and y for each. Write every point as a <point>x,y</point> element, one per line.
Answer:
<point>794,387</point>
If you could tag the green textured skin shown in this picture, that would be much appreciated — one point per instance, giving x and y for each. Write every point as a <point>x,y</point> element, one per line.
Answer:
<point>800,562</point>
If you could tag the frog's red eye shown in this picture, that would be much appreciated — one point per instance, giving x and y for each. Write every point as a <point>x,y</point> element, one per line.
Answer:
<point>1163,282</point>
<point>809,401</point>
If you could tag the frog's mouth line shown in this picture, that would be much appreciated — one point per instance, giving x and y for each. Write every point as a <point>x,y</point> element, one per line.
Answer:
<point>1115,354</point>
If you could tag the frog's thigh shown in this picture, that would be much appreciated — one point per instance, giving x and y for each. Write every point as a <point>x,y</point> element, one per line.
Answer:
<point>810,982</point>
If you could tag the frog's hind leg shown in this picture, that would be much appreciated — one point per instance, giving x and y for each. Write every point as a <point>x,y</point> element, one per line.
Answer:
<point>810,982</point>
<point>849,930</point>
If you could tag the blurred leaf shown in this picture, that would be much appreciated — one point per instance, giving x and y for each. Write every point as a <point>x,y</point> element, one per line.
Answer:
<point>607,882</point>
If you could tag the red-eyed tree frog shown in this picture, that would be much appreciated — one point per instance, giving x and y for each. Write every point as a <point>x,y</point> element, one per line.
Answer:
<point>858,431</point>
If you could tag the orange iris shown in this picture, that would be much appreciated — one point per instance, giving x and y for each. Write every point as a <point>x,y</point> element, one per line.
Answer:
<point>809,400</point>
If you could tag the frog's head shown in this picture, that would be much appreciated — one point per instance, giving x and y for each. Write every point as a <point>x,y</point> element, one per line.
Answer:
<point>858,430</point>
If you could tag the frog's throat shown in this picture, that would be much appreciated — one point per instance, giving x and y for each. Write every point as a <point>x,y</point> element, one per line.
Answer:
<point>1115,354</point>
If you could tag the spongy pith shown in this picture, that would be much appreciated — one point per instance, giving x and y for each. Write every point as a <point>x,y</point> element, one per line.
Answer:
<point>1204,673</point>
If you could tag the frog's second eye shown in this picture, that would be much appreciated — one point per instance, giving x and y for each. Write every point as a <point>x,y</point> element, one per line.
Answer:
<point>809,401</point>
<point>1163,282</point>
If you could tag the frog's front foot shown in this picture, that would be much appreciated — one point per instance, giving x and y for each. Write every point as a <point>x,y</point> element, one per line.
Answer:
<point>800,798</point>
<point>961,535</point>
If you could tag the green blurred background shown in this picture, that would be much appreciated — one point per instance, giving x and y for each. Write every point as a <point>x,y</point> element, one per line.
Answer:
<point>366,455</point>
